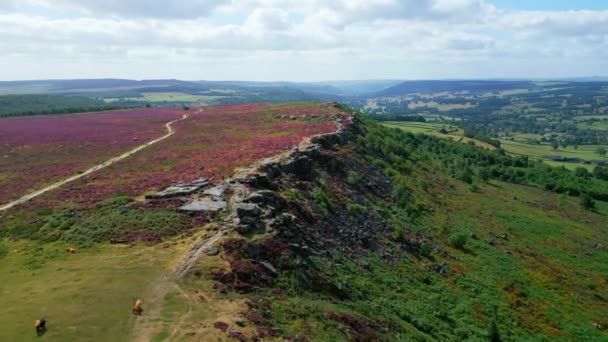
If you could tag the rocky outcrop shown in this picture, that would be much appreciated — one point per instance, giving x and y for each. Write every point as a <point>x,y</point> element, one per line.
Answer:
<point>181,189</point>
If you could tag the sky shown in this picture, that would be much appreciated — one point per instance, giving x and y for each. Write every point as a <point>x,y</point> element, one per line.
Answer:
<point>302,40</point>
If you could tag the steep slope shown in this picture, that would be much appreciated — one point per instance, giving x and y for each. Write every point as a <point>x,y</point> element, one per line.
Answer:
<point>365,236</point>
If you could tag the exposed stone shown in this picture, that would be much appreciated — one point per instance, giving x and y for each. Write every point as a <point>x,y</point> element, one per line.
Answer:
<point>253,251</point>
<point>180,189</point>
<point>255,198</point>
<point>174,191</point>
<point>240,322</point>
<point>273,271</point>
<point>243,229</point>
<point>211,251</point>
<point>198,206</point>
<point>201,182</point>
<point>248,210</point>
<point>217,191</point>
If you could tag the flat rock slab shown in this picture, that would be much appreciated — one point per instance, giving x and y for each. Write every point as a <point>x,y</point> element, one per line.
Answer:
<point>198,206</point>
<point>217,191</point>
<point>174,191</point>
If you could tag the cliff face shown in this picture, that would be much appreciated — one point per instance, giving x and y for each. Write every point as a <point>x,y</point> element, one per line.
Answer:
<point>357,236</point>
<point>304,216</point>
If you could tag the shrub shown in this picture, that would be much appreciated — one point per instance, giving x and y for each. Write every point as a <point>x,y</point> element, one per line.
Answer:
<point>353,178</point>
<point>321,199</point>
<point>587,202</point>
<point>3,250</point>
<point>354,208</point>
<point>399,233</point>
<point>458,240</point>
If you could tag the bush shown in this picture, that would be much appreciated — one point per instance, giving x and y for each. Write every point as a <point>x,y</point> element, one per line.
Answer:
<point>458,240</point>
<point>399,233</point>
<point>587,202</point>
<point>321,199</point>
<point>353,178</point>
<point>354,208</point>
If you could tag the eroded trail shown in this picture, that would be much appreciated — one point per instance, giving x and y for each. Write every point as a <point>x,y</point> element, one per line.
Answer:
<point>170,132</point>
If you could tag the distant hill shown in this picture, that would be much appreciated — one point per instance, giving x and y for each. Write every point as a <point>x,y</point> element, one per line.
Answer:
<point>427,87</point>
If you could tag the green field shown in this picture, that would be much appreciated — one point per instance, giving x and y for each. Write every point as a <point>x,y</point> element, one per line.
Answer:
<point>594,125</point>
<point>454,133</point>
<point>587,152</point>
<point>169,97</point>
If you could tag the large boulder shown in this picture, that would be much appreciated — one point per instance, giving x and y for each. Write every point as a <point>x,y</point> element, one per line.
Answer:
<point>248,210</point>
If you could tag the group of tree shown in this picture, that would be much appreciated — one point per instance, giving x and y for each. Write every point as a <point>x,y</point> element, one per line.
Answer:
<point>22,105</point>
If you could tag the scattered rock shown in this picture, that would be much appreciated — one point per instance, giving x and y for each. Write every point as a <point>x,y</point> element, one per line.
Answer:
<point>248,210</point>
<point>253,250</point>
<point>240,322</point>
<point>442,269</point>
<point>273,271</point>
<point>211,251</point>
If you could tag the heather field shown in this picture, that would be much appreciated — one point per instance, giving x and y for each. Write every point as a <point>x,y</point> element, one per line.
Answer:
<point>38,150</point>
<point>211,143</point>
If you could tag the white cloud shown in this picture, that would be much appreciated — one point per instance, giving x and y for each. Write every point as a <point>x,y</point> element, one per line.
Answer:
<point>290,39</point>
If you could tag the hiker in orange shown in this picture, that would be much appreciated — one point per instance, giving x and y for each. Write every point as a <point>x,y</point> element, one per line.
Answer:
<point>137,309</point>
<point>40,325</point>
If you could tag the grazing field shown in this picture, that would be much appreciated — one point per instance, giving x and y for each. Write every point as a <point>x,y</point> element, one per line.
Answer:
<point>454,133</point>
<point>86,296</point>
<point>211,143</point>
<point>39,150</point>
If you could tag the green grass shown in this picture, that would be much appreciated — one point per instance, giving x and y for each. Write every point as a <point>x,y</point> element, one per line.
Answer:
<point>85,296</point>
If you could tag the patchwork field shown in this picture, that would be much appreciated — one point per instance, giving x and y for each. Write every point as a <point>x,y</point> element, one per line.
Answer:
<point>38,150</point>
<point>439,106</point>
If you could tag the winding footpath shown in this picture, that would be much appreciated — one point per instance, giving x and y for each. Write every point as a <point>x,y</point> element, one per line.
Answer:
<point>170,132</point>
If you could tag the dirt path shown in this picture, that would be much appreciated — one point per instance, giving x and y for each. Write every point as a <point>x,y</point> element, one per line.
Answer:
<point>170,132</point>
<point>144,328</point>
